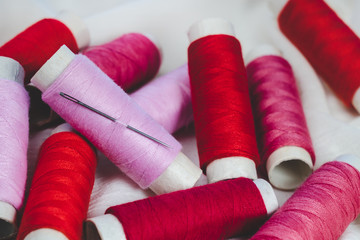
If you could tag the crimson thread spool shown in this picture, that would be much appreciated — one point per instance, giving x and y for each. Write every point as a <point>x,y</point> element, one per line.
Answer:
<point>130,60</point>
<point>60,191</point>
<point>214,211</point>
<point>149,164</point>
<point>322,208</point>
<point>167,99</point>
<point>224,124</point>
<point>283,137</point>
<point>330,46</point>
<point>14,135</point>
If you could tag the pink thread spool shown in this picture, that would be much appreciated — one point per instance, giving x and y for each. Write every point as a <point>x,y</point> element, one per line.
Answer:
<point>166,169</point>
<point>14,134</point>
<point>130,60</point>
<point>322,208</point>
<point>167,99</point>
<point>283,138</point>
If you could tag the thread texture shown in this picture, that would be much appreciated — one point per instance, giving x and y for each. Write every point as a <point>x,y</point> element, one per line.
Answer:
<point>321,208</point>
<point>142,159</point>
<point>130,60</point>
<point>61,187</point>
<point>331,47</point>
<point>36,44</point>
<point>224,124</point>
<point>167,99</point>
<point>278,112</point>
<point>215,211</point>
<point>14,137</point>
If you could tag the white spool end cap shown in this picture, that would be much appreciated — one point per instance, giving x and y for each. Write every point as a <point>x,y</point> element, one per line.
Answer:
<point>260,51</point>
<point>229,168</point>
<point>45,234</point>
<point>356,100</point>
<point>7,217</point>
<point>52,69</point>
<point>11,69</point>
<point>210,26</point>
<point>65,127</point>
<point>288,167</point>
<point>105,227</point>
<point>350,159</point>
<point>77,26</point>
<point>268,195</point>
<point>181,174</point>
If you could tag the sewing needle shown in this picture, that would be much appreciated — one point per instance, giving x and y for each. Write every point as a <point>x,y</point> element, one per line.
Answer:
<point>68,97</point>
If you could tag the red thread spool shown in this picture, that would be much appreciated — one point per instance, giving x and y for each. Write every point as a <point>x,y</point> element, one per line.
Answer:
<point>60,190</point>
<point>331,47</point>
<point>36,44</point>
<point>130,60</point>
<point>224,123</point>
<point>214,211</point>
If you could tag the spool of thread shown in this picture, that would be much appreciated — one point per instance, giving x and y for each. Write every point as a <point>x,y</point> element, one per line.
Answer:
<point>167,99</point>
<point>283,137</point>
<point>14,137</point>
<point>224,124</point>
<point>36,44</point>
<point>330,46</point>
<point>322,208</point>
<point>130,60</point>
<point>147,162</point>
<point>214,211</point>
<point>60,191</point>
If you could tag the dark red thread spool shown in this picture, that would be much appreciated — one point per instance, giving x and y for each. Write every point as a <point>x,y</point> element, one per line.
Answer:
<point>214,211</point>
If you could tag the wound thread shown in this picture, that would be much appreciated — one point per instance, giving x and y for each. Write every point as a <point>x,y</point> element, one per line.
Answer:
<point>130,60</point>
<point>280,121</point>
<point>215,211</point>
<point>61,187</point>
<point>142,159</point>
<point>167,99</point>
<point>322,208</point>
<point>224,124</point>
<point>36,44</point>
<point>330,46</point>
<point>14,137</point>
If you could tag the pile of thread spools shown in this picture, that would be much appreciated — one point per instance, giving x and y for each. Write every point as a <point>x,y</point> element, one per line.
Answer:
<point>250,128</point>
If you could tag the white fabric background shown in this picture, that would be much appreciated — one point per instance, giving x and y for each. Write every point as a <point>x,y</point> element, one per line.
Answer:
<point>333,127</point>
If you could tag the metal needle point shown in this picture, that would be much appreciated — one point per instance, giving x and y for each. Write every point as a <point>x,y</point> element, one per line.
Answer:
<point>68,97</point>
